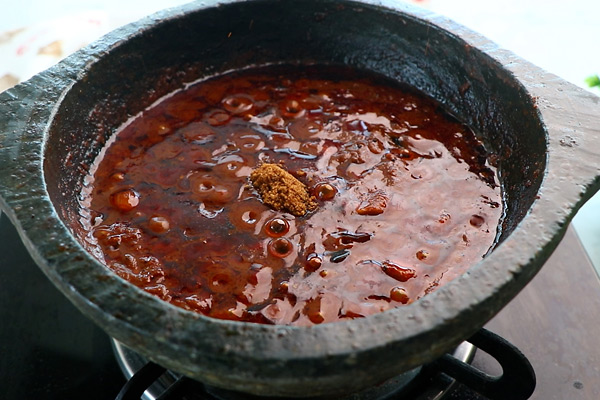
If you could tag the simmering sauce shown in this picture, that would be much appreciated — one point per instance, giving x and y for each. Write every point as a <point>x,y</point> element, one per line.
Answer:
<point>402,197</point>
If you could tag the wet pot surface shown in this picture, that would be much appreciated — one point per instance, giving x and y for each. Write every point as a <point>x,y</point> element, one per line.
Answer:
<point>58,122</point>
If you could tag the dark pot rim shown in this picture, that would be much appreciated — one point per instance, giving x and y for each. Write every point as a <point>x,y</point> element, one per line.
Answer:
<point>414,334</point>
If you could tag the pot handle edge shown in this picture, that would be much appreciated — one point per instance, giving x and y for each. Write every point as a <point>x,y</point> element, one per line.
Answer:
<point>25,112</point>
<point>572,118</point>
<point>518,377</point>
<point>32,102</point>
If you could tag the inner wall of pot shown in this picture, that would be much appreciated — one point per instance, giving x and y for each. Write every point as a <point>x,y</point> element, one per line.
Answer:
<point>151,62</point>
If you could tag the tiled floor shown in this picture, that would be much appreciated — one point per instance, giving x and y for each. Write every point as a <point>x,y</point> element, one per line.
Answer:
<point>557,35</point>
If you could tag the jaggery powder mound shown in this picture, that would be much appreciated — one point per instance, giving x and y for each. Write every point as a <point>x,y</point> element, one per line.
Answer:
<point>281,190</point>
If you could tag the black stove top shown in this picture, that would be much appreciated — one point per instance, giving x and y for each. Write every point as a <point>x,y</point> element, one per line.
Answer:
<point>48,349</point>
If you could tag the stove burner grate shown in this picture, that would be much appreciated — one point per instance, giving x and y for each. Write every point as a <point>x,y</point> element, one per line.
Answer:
<point>149,381</point>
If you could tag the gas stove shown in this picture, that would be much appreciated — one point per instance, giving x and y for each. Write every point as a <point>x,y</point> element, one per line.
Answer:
<point>48,349</point>
<point>51,351</point>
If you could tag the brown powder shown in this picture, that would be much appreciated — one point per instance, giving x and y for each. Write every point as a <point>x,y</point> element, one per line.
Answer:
<point>281,190</point>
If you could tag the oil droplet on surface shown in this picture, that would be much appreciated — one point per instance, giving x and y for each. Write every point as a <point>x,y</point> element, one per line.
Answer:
<point>125,200</point>
<point>162,129</point>
<point>313,263</point>
<point>117,176</point>
<point>292,109</point>
<point>422,254</point>
<point>277,227</point>
<point>316,317</point>
<point>159,224</point>
<point>237,104</point>
<point>249,217</point>
<point>280,247</point>
<point>399,294</point>
<point>325,191</point>
<point>218,118</point>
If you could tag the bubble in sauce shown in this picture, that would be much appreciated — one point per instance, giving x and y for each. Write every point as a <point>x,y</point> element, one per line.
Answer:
<point>237,104</point>
<point>325,191</point>
<point>249,143</point>
<point>477,221</point>
<point>246,214</point>
<point>374,204</point>
<point>117,176</point>
<point>249,217</point>
<point>399,294</point>
<point>218,118</point>
<point>316,317</point>
<point>313,262</point>
<point>125,200</point>
<point>422,254</point>
<point>159,224</point>
<point>220,279</point>
<point>280,247</point>
<point>277,227</point>
<point>292,109</point>
<point>162,129</point>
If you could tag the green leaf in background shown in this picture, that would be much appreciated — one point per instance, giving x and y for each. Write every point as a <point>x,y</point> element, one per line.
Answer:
<point>593,80</point>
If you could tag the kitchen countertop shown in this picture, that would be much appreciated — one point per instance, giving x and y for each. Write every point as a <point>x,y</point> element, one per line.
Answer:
<point>554,322</point>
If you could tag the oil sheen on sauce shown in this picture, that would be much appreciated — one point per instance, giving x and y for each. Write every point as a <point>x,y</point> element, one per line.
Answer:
<point>406,197</point>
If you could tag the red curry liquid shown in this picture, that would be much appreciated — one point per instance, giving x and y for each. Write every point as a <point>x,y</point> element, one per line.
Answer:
<point>406,198</point>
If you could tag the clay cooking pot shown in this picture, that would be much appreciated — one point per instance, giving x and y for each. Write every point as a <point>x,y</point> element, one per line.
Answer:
<point>544,130</point>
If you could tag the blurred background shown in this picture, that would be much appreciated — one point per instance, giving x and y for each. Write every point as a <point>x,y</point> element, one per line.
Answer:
<point>560,36</point>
